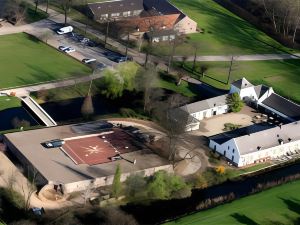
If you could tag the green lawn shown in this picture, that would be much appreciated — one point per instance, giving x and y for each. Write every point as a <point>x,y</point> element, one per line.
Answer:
<point>282,75</point>
<point>279,205</point>
<point>26,60</point>
<point>7,102</point>
<point>224,32</point>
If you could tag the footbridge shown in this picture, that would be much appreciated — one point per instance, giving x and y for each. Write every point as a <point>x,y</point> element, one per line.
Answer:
<point>38,111</point>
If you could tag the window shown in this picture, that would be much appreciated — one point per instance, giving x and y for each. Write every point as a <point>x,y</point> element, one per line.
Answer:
<point>136,12</point>
<point>115,14</point>
<point>232,158</point>
<point>172,37</point>
<point>165,38</point>
<point>232,150</point>
<point>127,13</point>
<point>224,153</point>
<point>228,147</point>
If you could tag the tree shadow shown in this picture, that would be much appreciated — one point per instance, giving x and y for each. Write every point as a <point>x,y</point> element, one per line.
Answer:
<point>243,219</point>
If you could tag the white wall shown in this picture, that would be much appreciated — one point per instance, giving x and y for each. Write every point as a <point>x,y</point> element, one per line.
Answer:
<point>209,112</point>
<point>265,95</point>
<point>269,153</point>
<point>186,26</point>
<point>104,181</point>
<point>229,148</point>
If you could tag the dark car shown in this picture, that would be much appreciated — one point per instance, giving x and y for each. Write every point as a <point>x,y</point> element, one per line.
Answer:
<point>56,143</point>
<point>91,44</point>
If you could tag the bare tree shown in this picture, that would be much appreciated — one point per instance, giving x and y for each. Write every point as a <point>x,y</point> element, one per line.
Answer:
<point>30,187</point>
<point>178,40</point>
<point>45,36</point>
<point>15,11</point>
<point>145,82</point>
<point>174,120</point>
<point>65,5</point>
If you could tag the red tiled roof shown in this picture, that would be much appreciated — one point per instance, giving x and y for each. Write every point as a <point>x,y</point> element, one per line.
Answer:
<point>144,24</point>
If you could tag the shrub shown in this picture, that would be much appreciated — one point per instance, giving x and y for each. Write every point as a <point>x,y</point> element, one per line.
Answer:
<point>117,185</point>
<point>231,126</point>
<point>235,103</point>
<point>126,112</point>
<point>220,169</point>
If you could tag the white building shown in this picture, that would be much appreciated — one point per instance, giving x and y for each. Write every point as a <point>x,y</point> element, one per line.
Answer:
<point>205,109</point>
<point>254,143</point>
<point>259,146</point>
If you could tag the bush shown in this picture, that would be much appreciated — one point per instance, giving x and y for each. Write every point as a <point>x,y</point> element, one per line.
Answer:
<point>126,112</point>
<point>235,103</point>
<point>231,126</point>
<point>136,186</point>
<point>165,186</point>
<point>220,169</point>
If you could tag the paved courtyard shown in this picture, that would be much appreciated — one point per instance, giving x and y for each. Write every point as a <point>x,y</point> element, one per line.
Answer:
<point>215,125</point>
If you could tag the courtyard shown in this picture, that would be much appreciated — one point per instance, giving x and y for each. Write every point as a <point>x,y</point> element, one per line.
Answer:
<point>215,125</point>
<point>37,62</point>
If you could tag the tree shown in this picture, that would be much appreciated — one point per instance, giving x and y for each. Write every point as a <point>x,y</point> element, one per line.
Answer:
<point>87,108</point>
<point>36,2</point>
<point>136,186</point>
<point>117,185</point>
<point>148,48</point>
<point>65,5</point>
<point>46,35</point>
<point>145,81</point>
<point>174,120</point>
<point>15,11</point>
<point>178,40</point>
<point>235,103</point>
<point>203,69</point>
<point>163,185</point>
<point>116,80</point>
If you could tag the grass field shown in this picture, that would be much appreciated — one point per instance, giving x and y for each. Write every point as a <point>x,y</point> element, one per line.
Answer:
<point>279,205</point>
<point>223,32</point>
<point>7,102</point>
<point>282,75</point>
<point>26,60</point>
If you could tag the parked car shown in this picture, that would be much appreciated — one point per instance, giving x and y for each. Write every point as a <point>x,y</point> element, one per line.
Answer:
<point>117,57</point>
<point>84,40</point>
<point>65,30</point>
<point>101,66</point>
<point>88,61</point>
<point>62,48</point>
<point>69,50</point>
<point>56,143</point>
<point>91,44</point>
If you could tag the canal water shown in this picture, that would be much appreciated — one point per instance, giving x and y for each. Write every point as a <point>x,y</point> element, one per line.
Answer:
<point>8,115</point>
<point>168,209</point>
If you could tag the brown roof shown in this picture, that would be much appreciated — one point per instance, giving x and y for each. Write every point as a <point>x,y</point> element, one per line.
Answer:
<point>144,24</point>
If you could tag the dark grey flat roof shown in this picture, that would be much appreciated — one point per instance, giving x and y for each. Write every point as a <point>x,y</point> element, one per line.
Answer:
<point>224,137</point>
<point>115,6</point>
<point>283,106</point>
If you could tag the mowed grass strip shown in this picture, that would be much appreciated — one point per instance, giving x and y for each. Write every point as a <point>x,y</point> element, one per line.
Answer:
<point>279,205</point>
<point>25,60</point>
<point>223,32</point>
<point>282,75</point>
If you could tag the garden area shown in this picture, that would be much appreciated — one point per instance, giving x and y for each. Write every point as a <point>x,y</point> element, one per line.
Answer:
<point>37,62</point>
<point>279,205</point>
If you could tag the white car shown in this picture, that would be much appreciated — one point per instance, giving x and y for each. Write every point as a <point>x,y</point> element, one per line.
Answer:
<point>62,48</point>
<point>87,61</point>
<point>69,50</point>
<point>65,30</point>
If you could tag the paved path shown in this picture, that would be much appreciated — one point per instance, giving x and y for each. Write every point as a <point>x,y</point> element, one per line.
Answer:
<point>256,57</point>
<point>23,91</point>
